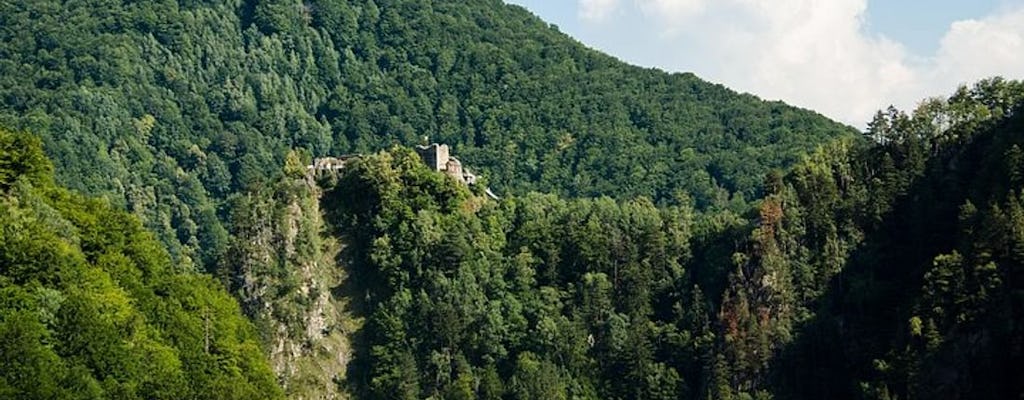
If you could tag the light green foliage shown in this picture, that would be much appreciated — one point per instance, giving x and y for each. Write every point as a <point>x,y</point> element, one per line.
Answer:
<point>21,158</point>
<point>91,306</point>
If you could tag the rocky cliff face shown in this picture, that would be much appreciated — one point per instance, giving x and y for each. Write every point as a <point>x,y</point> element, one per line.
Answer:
<point>289,280</point>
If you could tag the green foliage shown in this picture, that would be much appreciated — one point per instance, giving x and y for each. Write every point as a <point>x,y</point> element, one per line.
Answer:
<point>171,106</point>
<point>21,157</point>
<point>885,266</point>
<point>283,270</point>
<point>91,306</point>
<point>532,297</point>
<point>894,282</point>
<point>865,271</point>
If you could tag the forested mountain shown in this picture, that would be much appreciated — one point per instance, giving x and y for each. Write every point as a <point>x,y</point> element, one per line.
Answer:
<point>881,269</point>
<point>891,270</point>
<point>658,237</point>
<point>91,306</point>
<point>170,107</point>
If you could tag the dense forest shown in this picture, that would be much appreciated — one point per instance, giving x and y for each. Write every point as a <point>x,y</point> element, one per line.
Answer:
<point>91,306</point>
<point>657,236</point>
<point>881,268</point>
<point>171,107</point>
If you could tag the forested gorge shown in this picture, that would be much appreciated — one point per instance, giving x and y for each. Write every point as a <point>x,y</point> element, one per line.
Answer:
<point>657,236</point>
<point>882,268</point>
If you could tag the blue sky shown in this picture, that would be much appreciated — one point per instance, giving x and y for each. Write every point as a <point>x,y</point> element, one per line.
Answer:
<point>843,58</point>
<point>920,24</point>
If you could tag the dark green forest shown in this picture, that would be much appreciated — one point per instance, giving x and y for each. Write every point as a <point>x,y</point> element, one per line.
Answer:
<point>657,236</point>
<point>882,268</point>
<point>171,107</point>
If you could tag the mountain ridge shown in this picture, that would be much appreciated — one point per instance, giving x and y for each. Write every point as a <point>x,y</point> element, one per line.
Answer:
<point>211,95</point>
<point>658,236</point>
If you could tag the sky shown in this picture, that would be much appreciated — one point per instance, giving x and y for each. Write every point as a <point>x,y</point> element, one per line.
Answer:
<point>843,58</point>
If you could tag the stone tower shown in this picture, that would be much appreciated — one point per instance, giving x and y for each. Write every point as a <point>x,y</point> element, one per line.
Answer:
<point>434,155</point>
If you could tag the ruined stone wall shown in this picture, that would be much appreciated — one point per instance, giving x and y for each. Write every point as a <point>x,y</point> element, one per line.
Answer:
<point>435,155</point>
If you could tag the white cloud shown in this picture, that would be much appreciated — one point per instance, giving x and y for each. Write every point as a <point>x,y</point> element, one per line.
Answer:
<point>819,55</point>
<point>597,10</point>
<point>978,48</point>
<point>671,10</point>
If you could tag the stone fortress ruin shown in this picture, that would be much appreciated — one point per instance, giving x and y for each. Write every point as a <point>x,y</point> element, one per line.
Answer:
<point>436,156</point>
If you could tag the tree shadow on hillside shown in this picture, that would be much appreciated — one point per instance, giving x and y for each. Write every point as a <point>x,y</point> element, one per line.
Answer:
<point>853,347</point>
<point>355,289</point>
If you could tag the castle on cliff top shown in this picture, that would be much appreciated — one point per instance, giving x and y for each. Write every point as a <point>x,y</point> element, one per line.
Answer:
<point>438,157</point>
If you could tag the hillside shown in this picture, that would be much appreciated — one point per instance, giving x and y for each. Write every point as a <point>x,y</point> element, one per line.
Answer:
<point>879,270</point>
<point>656,237</point>
<point>893,270</point>
<point>886,267</point>
<point>171,107</point>
<point>91,306</point>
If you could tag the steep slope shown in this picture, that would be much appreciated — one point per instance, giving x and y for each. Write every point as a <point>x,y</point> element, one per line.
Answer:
<point>879,269</point>
<point>527,298</point>
<point>169,107</point>
<point>284,266</point>
<point>91,306</point>
<point>893,270</point>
